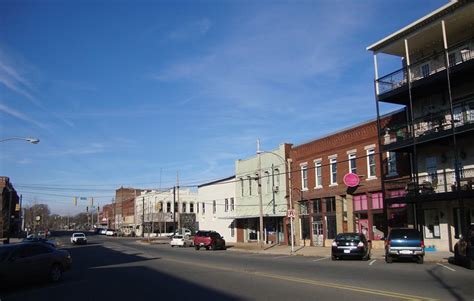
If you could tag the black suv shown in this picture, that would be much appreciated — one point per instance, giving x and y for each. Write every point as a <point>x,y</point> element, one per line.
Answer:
<point>404,243</point>
<point>464,249</point>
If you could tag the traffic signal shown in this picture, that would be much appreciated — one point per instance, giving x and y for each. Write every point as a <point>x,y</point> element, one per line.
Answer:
<point>87,208</point>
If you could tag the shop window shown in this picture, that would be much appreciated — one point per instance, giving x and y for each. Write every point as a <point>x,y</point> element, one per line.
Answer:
<point>431,225</point>
<point>331,205</point>
<point>303,208</point>
<point>305,220</point>
<point>232,229</point>
<point>360,202</point>
<point>377,201</point>
<point>317,206</point>
<point>331,227</point>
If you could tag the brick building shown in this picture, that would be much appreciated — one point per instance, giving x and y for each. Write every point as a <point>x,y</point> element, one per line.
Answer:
<point>121,196</point>
<point>10,221</point>
<point>325,205</point>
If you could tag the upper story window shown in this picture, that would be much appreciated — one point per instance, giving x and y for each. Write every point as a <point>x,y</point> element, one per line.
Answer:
<point>352,163</point>
<point>392,163</point>
<point>176,207</point>
<point>203,208</point>
<point>249,179</point>
<point>318,170</point>
<point>183,208</point>
<point>333,170</point>
<point>241,187</point>
<point>232,205</point>
<point>191,207</point>
<point>267,181</point>
<point>277,177</point>
<point>371,163</point>
<point>226,205</point>
<point>197,207</point>
<point>214,207</point>
<point>160,207</point>
<point>168,207</point>
<point>304,176</point>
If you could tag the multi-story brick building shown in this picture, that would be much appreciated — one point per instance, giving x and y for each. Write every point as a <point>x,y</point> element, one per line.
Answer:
<point>434,85</point>
<point>121,195</point>
<point>326,206</point>
<point>106,216</point>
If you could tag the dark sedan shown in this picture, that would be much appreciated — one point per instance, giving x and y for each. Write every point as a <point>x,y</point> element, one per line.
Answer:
<point>28,262</point>
<point>350,245</point>
<point>464,249</point>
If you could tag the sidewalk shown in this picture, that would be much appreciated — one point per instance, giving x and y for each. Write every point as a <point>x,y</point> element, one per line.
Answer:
<point>433,257</point>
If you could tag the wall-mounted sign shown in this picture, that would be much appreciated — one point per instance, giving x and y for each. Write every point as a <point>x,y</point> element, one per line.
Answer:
<point>351,180</point>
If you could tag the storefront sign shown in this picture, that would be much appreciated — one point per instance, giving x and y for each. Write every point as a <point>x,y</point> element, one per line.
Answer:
<point>351,180</point>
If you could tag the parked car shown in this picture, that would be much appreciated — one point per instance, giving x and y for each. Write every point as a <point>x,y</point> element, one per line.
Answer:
<point>209,240</point>
<point>464,249</point>
<point>78,239</point>
<point>181,241</point>
<point>38,239</point>
<point>110,232</point>
<point>353,245</point>
<point>103,231</point>
<point>404,243</point>
<point>182,231</point>
<point>32,261</point>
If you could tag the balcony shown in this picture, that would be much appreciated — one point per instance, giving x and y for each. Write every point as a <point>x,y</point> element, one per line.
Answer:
<point>427,67</point>
<point>431,126</point>
<point>431,184</point>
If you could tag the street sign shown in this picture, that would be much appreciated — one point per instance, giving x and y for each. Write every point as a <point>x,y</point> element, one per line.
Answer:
<point>291,213</point>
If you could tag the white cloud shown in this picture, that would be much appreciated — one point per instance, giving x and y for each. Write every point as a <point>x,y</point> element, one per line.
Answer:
<point>21,116</point>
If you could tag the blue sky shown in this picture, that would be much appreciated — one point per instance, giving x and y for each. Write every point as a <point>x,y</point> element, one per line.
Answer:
<point>128,92</point>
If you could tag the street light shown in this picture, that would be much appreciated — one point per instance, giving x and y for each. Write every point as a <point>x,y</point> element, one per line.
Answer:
<point>28,139</point>
<point>287,170</point>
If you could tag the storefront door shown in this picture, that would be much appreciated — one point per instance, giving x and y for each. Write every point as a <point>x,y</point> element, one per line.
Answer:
<point>363,227</point>
<point>318,238</point>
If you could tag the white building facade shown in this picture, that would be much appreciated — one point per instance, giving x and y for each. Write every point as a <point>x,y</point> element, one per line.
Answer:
<point>154,211</point>
<point>216,207</point>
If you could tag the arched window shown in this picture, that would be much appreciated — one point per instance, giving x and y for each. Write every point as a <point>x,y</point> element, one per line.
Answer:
<point>183,208</point>
<point>160,207</point>
<point>191,207</point>
<point>168,207</point>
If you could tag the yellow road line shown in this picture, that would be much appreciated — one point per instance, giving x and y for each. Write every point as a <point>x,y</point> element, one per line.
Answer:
<point>308,281</point>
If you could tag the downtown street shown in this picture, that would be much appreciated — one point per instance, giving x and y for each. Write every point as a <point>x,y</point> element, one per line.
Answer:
<point>124,269</point>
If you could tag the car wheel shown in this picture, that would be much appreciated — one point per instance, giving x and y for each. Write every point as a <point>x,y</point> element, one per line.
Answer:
<point>420,260</point>
<point>388,259</point>
<point>196,247</point>
<point>56,273</point>
<point>172,246</point>
<point>207,248</point>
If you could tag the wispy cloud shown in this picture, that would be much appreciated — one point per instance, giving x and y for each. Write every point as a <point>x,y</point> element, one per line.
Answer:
<point>190,31</point>
<point>21,116</point>
<point>93,148</point>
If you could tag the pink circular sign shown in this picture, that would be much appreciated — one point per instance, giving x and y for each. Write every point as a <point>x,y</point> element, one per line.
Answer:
<point>351,180</point>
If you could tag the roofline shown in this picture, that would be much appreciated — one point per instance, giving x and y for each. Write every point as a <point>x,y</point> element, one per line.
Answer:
<point>217,181</point>
<point>407,29</point>
<point>350,127</point>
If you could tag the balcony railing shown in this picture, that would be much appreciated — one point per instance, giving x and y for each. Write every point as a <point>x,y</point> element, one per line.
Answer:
<point>436,122</point>
<point>437,181</point>
<point>427,66</point>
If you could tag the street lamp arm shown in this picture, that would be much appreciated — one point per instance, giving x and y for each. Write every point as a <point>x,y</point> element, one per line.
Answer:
<point>28,139</point>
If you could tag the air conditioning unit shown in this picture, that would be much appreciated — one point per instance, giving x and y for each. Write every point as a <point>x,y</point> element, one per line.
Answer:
<point>275,188</point>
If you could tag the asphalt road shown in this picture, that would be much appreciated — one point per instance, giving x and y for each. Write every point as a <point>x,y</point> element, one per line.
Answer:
<point>111,268</point>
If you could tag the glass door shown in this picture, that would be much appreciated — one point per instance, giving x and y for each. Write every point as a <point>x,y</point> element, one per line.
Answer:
<point>318,237</point>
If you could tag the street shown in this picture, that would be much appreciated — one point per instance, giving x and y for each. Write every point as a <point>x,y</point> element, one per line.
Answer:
<point>123,269</point>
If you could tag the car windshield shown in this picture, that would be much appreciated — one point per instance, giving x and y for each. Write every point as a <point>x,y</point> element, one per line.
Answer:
<point>178,236</point>
<point>404,234</point>
<point>348,236</point>
<point>203,233</point>
<point>79,235</point>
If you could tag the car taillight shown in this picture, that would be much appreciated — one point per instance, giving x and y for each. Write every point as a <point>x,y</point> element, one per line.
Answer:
<point>422,244</point>
<point>360,245</point>
<point>334,244</point>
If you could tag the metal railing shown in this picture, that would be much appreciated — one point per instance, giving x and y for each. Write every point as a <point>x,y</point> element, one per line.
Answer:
<point>427,66</point>
<point>436,122</point>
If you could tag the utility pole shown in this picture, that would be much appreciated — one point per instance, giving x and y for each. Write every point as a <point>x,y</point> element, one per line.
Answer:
<point>177,192</point>
<point>174,213</point>
<point>260,193</point>
<point>143,216</point>
<point>292,231</point>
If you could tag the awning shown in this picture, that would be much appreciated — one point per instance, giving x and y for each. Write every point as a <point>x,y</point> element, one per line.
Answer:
<point>252,216</point>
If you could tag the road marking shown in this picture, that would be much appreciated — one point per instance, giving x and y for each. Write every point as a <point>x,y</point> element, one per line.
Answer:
<point>334,285</point>
<point>319,259</point>
<point>285,256</point>
<point>445,266</point>
<point>372,262</point>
